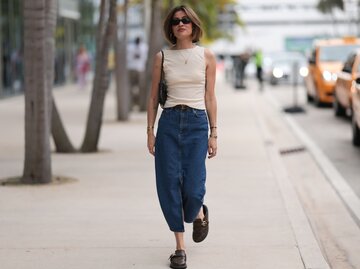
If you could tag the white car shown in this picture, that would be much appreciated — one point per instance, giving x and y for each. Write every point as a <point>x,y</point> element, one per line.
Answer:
<point>285,67</point>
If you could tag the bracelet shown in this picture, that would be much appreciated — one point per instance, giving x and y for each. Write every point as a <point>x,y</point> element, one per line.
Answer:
<point>213,136</point>
<point>213,127</point>
<point>149,128</point>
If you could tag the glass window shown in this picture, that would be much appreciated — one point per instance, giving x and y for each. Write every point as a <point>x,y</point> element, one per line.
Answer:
<point>11,46</point>
<point>336,53</point>
<point>349,63</point>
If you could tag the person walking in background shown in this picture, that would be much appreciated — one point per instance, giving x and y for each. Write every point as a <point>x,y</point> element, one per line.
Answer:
<point>259,70</point>
<point>82,66</point>
<point>241,62</point>
<point>136,58</point>
<point>111,63</point>
<point>182,140</point>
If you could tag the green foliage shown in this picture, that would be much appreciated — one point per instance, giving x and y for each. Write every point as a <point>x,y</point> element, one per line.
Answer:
<point>208,11</point>
<point>327,6</point>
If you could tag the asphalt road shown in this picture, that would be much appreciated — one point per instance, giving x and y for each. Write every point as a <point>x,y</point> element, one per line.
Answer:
<point>332,134</point>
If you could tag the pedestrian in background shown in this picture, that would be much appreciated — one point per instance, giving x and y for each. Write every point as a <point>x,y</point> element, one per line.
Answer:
<point>182,140</point>
<point>82,66</point>
<point>259,69</point>
<point>111,63</point>
<point>136,58</point>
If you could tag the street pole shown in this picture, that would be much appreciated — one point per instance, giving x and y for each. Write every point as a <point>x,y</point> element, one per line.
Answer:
<point>295,108</point>
<point>295,72</point>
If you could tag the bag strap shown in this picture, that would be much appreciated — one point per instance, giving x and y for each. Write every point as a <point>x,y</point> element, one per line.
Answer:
<point>162,66</point>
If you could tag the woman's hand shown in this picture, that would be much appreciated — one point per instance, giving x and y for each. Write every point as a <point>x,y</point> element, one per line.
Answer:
<point>212,147</point>
<point>151,143</point>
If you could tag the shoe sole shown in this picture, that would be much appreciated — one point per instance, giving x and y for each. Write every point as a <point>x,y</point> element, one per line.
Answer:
<point>178,267</point>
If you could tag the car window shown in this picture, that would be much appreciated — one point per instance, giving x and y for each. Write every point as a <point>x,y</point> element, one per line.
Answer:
<point>349,63</point>
<point>336,53</point>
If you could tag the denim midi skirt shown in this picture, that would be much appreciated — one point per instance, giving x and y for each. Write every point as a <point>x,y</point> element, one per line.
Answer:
<point>180,153</point>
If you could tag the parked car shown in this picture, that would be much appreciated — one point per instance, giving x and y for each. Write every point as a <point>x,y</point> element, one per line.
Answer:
<point>325,62</point>
<point>355,121</point>
<point>342,92</point>
<point>286,67</point>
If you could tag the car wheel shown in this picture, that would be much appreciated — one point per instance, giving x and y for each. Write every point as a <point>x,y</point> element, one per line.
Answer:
<point>309,98</point>
<point>355,132</point>
<point>339,110</point>
<point>273,81</point>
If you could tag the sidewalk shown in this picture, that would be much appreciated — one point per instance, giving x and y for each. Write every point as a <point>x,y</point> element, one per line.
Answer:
<point>110,217</point>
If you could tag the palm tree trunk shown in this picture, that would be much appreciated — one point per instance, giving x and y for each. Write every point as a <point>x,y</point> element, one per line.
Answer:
<point>39,29</point>
<point>155,43</point>
<point>123,96</point>
<point>60,137</point>
<point>100,84</point>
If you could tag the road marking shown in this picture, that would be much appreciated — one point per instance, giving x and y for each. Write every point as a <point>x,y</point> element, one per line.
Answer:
<point>336,180</point>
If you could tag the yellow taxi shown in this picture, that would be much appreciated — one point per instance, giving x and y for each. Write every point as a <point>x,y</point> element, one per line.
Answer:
<point>342,92</point>
<point>355,122</point>
<point>325,62</point>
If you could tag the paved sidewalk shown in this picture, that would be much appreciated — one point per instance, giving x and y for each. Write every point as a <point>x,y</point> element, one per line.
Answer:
<point>110,217</point>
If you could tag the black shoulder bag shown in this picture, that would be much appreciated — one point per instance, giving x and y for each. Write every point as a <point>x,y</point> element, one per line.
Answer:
<point>162,84</point>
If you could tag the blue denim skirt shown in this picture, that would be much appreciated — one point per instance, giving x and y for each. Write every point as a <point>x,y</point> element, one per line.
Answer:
<point>180,153</point>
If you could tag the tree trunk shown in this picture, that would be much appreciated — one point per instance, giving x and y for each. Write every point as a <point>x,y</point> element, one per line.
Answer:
<point>155,44</point>
<point>100,84</point>
<point>39,29</point>
<point>60,137</point>
<point>123,95</point>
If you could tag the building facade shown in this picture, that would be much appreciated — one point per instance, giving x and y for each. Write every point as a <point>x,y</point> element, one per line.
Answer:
<point>75,26</point>
<point>287,25</point>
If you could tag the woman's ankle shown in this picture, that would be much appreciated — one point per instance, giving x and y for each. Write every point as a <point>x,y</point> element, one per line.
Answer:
<point>201,214</point>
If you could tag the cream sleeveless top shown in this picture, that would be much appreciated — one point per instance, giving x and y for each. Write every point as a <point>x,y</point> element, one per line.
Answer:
<point>185,77</point>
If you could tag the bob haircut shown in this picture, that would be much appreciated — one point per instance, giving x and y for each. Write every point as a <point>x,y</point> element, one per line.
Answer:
<point>197,31</point>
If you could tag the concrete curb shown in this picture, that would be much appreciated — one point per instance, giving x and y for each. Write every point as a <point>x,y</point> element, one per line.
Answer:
<point>337,181</point>
<point>307,244</point>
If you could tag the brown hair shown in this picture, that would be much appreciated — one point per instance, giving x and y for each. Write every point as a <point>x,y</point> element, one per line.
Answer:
<point>190,13</point>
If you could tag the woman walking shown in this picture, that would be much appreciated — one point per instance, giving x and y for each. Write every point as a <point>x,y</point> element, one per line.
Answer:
<point>183,139</point>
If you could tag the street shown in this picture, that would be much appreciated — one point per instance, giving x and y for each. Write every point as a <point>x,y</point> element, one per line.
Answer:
<point>332,134</point>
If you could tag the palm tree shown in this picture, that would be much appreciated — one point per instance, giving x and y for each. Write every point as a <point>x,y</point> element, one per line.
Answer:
<point>328,7</point>
<point>39,30</point>
<point>123,95</point>
<point>104,37</point>
<point>60,137</point>
<point>106,33</point>
<point>156,41</point>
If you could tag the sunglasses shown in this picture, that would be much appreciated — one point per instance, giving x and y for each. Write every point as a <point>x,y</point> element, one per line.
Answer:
<point>177,21</point>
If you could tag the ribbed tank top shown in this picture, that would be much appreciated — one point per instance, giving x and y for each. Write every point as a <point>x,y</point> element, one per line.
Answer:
<point>185,81</point>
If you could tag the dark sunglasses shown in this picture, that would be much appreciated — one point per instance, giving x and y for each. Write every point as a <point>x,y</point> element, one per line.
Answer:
<point>177,21</point>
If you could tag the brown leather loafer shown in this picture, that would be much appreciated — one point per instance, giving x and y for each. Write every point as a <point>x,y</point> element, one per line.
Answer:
<point>201,227</point>
<point>178,259</point>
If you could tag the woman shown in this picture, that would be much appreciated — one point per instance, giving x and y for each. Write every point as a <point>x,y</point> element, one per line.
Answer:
<point>183,139</point>
<point>82,66</point>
